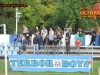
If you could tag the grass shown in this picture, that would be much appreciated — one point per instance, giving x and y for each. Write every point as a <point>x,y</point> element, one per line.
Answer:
<point>10,72</point>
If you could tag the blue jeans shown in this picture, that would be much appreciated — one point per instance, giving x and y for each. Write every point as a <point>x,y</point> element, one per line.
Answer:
<point>60,44</point>
<point>46,49</point>
<point>15,43</point>
<point>78,48</point>
<point>35,48</point>
<point>28,42</point>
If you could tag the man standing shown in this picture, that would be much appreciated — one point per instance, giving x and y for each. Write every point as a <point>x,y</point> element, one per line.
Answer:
<point>93,33</point>
<point>35,44</point>
<point>37,31</point>
<point>15,38</point>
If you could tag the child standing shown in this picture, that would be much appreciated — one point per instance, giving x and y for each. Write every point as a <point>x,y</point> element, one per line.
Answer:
<point>78,44</point>
<point>24,43</point>
<point>67,45</point>
<point>55,43</point>
<point>46,43</point>
<point>35,44</point>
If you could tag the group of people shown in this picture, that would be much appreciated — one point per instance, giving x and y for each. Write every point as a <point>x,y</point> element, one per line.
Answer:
<point>51,38</point>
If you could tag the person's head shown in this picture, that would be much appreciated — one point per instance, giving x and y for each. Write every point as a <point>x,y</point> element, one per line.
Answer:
<point>50,28</point>
<point>77,32</point>
<point>15,32</point>
<point>80,29</point>
<point>58,27</point>
<point>67,30</point>
<point>36,27</point>
<point>24,26</point>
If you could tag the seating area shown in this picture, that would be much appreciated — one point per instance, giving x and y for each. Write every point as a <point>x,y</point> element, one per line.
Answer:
<point>11,49</point>
<point>15,50</point>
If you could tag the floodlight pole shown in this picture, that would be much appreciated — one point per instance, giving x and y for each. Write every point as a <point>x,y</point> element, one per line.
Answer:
<point>16,19</point>
<point>6,73</point>
<point>5,50</point>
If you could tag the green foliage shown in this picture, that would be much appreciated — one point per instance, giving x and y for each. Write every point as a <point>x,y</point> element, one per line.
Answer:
<point>50,13</point>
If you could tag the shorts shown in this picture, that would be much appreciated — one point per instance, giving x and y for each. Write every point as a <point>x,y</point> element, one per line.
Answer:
<point>24,48</point>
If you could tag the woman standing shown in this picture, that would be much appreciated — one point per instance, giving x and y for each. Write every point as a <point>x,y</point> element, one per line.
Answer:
<point>59,34</point>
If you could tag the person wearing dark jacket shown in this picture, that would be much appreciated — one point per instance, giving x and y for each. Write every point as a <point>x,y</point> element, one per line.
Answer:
<point>67,45</point>
<point>37,31</point>
<point>46,45</point>
<point>55,43</point>
<point>68,33</point>
<point>35,44</point>
<point>93,33</point>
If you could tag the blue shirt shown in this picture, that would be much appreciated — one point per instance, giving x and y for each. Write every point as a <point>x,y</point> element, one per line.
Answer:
<point>15,37</point>
<point>76,37</point>
<point>24,42</point>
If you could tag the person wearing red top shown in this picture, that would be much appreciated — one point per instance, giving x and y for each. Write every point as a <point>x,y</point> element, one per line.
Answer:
<point>78,44</point>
